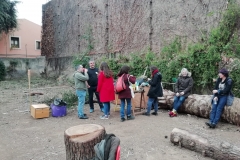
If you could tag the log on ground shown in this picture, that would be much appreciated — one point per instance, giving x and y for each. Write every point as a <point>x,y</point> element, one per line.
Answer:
<point>80,141</point>
<point>216,149</point>
<point>200,105</point>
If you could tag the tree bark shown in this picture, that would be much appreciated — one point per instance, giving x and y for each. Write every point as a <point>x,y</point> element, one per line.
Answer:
<point>215,150</point>
<point>80,141</point>
<point>200,105</point>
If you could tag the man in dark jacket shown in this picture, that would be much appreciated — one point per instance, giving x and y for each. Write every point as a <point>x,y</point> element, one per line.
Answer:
<point>92,85</point>
<point>154,92</point>
<point>183,89</point>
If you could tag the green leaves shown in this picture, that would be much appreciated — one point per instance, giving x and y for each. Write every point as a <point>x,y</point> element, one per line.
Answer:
<point>8,15</point>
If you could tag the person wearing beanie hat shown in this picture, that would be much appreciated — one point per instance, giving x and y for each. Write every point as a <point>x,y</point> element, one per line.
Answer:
<point>183,89</point>
<point>221,91</point>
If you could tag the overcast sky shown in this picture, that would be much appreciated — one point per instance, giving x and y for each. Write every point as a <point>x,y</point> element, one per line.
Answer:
<point>31,10</point>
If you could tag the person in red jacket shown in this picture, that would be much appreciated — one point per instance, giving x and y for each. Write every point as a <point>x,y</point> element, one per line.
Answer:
<point>105,88</point>
<point>125,95</point>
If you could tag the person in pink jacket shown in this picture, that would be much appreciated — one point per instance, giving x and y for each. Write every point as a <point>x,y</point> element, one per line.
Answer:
<point>105,88</point>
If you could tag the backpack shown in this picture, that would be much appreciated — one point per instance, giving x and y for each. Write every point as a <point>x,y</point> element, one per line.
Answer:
<point>120,85</point>
<point>106,149</point>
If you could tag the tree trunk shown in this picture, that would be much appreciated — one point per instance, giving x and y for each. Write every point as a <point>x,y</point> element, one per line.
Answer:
<point>80,141</point>
<point>202,145</point>
<point>200,105</point>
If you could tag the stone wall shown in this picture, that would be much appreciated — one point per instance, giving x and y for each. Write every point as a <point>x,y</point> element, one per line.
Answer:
<point>125,26</point>
<point>36,65</point>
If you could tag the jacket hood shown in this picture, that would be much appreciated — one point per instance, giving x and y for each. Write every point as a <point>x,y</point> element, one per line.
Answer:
<point>189,74</point>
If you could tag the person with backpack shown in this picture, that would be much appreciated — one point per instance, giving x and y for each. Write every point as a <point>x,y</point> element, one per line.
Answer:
<point>154,92</point>
<point>125,95</point>
<point>105,88</point>
<point>183,89</point>
<point>220,93</point>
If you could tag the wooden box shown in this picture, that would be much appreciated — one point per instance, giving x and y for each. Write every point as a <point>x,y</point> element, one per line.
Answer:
<point>40,110</point>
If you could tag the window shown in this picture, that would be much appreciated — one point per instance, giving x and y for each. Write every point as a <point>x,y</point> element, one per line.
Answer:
<point>38,45</point>
<point>15,42</point>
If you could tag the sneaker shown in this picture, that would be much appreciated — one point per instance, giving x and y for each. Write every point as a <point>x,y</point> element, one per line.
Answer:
<point>212,125</point>
<point>102,110</point>
<point>130,117</point>
<point>154,113</point>
<point>170,113</point>
<point>91,110</point>
<point>173,115</point>
<point>83,117</point>
<point>146,114</point>
<point>104,117</point>
<point>123,119</point>
<point>208,124</point>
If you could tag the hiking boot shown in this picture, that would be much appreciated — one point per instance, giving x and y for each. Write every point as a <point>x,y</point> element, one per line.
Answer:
<point>154,113</point>
<point>91,110</point>
<point>130,117</point>
<point>123,119</point>
<point>208,124</point>
<point>146,114</point>
<point>104,117</point>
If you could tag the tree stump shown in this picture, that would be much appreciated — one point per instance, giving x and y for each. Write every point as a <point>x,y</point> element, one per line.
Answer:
<point>216,149</point>
<point>200,105</point>
<point>80,141</point>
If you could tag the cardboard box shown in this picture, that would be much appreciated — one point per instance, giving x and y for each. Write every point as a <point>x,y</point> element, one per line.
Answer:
<point>40,110</point>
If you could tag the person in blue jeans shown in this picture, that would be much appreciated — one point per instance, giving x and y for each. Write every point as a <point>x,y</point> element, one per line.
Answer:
<point>80,78</point>
<point>221,91</point>
<point>125,95</point>
<point>183,89</point>
<point>154,92</point>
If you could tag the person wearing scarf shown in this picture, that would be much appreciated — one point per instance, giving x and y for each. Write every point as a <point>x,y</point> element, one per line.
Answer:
<point>183,89</point>
<point>154,92</point>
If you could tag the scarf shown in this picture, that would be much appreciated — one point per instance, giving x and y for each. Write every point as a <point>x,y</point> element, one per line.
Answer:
<point>154,72</point>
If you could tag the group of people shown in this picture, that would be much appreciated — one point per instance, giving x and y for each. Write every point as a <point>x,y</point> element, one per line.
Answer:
<point>101,83</point>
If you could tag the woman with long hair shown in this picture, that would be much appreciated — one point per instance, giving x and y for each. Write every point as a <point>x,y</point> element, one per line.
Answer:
<point>125,95</point>
<point>105,88</point>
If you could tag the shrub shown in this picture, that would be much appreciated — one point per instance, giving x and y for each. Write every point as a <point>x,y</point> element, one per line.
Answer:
<point>2,71</point>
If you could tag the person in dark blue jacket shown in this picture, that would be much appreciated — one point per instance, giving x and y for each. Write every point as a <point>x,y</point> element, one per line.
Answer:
<point>220,93</point>
<point>155,91</point>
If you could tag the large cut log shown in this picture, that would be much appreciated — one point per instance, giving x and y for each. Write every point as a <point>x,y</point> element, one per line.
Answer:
<point>200,105</point>
<point>80,141</point>
<point>217,150</point>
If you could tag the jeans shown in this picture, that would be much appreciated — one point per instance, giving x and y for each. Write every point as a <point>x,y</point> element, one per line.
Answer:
<point>106,106</point>
<point>92,90</point>
<point>154,102</point>
<point>129,106</point>
<point>178,101</point>
<point>81,101</point>
<point>217,109</point>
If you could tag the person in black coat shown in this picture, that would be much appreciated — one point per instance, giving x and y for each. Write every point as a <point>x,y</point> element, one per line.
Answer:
<point>155,91</point>
<point>183,89</point>
<point>220,93</point>
<point>92,86</point>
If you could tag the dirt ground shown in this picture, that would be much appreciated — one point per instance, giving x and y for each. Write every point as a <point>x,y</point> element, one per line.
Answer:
<point>145,138</point>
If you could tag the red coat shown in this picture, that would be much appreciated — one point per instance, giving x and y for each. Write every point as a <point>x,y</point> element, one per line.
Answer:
<point>127,93</point>
<point>105,88</point>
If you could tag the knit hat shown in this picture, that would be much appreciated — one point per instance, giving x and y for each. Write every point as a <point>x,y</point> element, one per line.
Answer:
<point>224,72</point>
